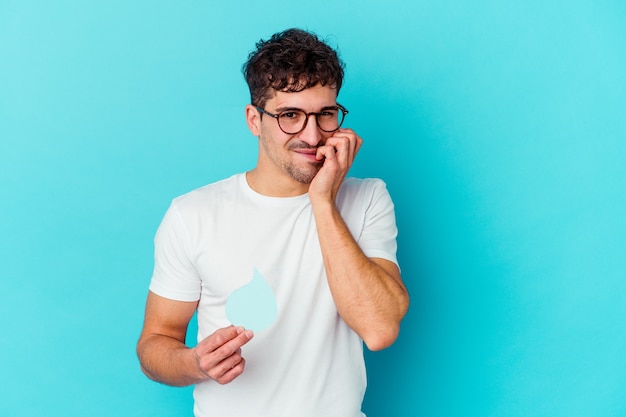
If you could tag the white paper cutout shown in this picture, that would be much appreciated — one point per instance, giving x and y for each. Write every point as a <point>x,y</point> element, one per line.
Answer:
<point>252,306</point>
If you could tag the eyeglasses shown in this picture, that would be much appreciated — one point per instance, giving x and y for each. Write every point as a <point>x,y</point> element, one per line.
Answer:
<point>293,121</point>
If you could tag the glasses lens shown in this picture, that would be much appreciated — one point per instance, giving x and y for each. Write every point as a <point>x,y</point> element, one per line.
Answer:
<point>329,120</point>
<point>292,121</point>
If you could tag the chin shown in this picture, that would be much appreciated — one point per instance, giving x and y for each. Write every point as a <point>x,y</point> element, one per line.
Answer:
<point>304,176</point>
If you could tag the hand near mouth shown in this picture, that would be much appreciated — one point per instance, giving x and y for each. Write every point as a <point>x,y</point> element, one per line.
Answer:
<point>337,154</point>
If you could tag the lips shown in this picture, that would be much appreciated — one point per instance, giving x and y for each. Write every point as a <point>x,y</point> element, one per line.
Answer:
<point>307,153</point>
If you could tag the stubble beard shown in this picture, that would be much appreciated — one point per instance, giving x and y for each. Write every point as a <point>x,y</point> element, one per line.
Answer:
<point>303,176</point>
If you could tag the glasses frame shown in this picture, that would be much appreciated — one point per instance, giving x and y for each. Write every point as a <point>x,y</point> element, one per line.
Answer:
<point>276,116</point>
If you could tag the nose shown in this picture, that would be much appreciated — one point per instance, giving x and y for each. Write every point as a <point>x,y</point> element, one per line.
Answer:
<point>311,133</point>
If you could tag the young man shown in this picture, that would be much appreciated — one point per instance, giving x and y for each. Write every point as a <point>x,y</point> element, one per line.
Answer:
<point>325,244</point>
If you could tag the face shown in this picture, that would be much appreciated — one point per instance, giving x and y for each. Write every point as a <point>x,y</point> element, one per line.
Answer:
<point>285,157</point>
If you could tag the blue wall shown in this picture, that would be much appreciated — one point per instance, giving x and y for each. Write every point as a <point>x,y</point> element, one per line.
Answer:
<point>499,128</point>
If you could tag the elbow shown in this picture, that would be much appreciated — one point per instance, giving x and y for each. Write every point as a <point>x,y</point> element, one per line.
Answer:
<point>387,333</point>
<point>147,373</point>
<point>140,351</point>
<point>382,339</point>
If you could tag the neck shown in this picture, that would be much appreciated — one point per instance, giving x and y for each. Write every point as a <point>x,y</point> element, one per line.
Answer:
<point>281,187</point>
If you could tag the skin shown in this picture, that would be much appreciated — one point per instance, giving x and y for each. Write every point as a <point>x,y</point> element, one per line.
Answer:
<point>368,292</point>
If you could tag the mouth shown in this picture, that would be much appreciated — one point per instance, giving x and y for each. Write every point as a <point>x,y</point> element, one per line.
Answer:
<point>310,154</point>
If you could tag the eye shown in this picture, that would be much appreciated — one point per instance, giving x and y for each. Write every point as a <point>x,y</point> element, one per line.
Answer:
<point>290,115</point>
<point>328,114</point>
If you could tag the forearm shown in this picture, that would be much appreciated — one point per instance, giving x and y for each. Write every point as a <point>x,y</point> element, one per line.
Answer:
<point>167,360</point>
<point>370,299</point>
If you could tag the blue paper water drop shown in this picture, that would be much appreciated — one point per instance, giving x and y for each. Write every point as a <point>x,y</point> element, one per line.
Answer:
<point>252,306</point>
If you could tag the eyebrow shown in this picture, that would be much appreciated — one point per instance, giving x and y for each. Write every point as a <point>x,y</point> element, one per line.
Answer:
<point>282,109</point>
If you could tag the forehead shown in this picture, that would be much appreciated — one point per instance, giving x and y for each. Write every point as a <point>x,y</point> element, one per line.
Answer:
<point>310,99</point>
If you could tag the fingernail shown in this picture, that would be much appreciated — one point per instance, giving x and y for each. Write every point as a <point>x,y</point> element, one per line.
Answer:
<point>249,334</point>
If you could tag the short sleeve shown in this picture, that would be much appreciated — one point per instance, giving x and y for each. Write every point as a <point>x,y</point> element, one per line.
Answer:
<point>174,275</point>
<point>378,237</point>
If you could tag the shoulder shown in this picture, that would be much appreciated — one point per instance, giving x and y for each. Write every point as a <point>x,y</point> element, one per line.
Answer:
<point>361,187</point>
<point>207,195</point>
<point>198,209</point>
<point>360,194</point>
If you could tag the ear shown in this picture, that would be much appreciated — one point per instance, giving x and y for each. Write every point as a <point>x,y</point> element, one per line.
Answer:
<point>253,119</point>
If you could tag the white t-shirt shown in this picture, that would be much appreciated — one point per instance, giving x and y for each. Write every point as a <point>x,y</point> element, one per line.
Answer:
<point>309,363</point>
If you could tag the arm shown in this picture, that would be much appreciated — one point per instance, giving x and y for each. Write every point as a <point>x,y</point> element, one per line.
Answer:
<point>165,358</point>
<point>368,292</point>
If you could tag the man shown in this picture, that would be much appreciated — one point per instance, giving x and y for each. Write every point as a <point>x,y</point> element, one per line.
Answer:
<point>325,245</point>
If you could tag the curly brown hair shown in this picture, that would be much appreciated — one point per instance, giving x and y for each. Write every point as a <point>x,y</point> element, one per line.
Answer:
<point>291,61</point>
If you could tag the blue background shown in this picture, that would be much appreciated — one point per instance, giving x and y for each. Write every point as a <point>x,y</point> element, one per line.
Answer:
<point>498,126</point>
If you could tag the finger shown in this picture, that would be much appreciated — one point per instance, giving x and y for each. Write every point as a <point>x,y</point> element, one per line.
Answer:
<point>353,139</point>
<point>357,143</point>
<point>225,366</point>
<point>344,149</point>
<point>326,151</point>
<point>218,338</point>
<point>232,345</point>
<point>210,352</point>
<point>232,373</point>
<point>216,362</point>
<point>231,336</point>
